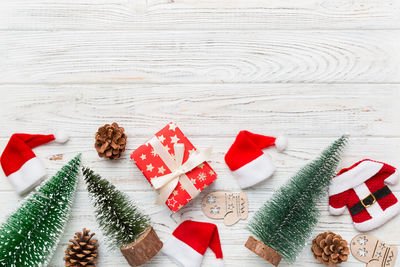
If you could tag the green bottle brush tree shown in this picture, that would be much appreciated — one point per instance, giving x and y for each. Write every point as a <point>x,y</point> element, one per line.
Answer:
<point>285,222</point>
<point>124,225</point>
<point>30,235</point>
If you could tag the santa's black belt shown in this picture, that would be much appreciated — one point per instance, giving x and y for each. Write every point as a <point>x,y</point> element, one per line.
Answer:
<point>370,200</point>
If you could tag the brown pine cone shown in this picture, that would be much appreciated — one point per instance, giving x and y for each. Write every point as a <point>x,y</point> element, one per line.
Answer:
<point>330,249</point>
<point>82,251</point>
<point>110,141</point>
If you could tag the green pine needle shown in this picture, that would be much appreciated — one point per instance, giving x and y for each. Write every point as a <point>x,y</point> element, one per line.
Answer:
<point>286,221</point>
<point>30,235</point>
<point>120,220</point>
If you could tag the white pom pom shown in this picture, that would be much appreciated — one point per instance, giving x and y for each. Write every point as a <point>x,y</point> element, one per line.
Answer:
<point>61,137</point>
<point>281,143</point>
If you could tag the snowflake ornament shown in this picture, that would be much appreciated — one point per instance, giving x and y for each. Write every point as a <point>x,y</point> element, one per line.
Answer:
<point>362,240</point>
<point>171,202</point>
<point>211,199</point>
<point>215,210</point>
<point>362,252</point>
<point>202,177</point>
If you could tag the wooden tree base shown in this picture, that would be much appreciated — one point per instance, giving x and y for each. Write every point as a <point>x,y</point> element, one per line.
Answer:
<point>143,249</point>
<point>263,251</point>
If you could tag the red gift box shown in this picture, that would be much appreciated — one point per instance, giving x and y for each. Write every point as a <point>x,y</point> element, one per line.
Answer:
<point>174,167</point>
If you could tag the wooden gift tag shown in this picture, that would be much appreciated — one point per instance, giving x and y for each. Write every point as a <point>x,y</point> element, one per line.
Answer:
<point>372,251</point>
<point>225,205</point>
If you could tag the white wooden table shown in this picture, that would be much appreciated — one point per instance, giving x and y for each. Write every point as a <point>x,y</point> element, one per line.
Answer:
<point>310,69</point>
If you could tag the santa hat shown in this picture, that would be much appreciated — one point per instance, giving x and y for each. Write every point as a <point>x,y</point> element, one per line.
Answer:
<point>21,166</point>
<point>190,241</point>
<point>246,159</point>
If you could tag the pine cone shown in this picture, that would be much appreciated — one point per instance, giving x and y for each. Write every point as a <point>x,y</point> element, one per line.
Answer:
<point>330,249</point>
<point>110,141</point>
<point>82,251</point>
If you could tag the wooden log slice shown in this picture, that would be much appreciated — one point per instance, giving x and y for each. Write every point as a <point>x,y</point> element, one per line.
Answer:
<point>143,248</point>
<point>263,251</point>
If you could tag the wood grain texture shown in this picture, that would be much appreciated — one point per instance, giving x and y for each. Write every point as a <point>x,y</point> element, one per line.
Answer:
<point>209,115</point>
<point>200,57</point>
<point>198,15</point>
<point>309,69</point>
<point>294,109</point>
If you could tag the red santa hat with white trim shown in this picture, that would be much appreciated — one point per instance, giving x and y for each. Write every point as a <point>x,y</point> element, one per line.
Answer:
<point>248,162</point>
<point>20,164</point>
<point>190,241</point>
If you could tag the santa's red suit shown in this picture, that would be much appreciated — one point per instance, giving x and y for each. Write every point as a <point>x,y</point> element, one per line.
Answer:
<point>362,188</point>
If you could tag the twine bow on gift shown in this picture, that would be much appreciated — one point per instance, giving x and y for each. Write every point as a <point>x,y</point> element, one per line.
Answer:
<point>167,183</point>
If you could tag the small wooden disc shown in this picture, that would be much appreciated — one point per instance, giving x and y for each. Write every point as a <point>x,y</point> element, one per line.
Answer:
<point>263,251</point>
<point>142,249</point>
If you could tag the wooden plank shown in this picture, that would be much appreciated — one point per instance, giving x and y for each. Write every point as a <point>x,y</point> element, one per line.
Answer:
<point>126,175</point>
<point>198,15</point>
<point>200,57</point>
<point>311,110</point>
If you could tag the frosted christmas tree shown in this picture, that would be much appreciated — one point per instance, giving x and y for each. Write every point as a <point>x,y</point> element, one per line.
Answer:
<point>283,225</point>
<point>30,235</point>
<point>121,221</point>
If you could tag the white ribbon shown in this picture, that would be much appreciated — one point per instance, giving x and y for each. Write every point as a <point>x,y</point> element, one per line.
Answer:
<point>167,183</point>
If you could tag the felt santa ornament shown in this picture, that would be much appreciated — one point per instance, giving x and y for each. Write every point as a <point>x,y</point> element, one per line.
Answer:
<point>362,188</point>
<point>190,241</point>
<point>248,162</point>
<point>20,164</point>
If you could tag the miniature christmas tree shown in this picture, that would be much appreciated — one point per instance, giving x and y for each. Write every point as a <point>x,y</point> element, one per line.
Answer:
<point>285,222</point>
<point>121,221</point>
<point>30,235</point>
